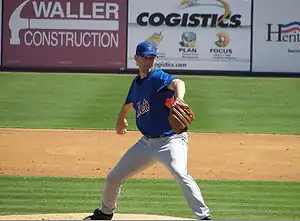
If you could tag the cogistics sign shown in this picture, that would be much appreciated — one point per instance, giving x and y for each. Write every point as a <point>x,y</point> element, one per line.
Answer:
<point>68,33</point>
<point>193,34</point>
<point>225,20</point>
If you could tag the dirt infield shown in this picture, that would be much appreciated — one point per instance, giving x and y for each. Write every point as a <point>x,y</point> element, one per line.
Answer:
<point>79,153</point>
<point>93,154</point>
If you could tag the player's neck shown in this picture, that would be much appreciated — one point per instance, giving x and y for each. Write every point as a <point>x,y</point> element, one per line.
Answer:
<point>144,72</point>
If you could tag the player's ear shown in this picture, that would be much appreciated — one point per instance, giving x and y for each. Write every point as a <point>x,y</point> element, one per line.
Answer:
<point>136,58</point>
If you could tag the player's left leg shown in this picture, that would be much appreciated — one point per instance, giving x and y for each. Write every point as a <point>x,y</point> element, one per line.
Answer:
<point>137,158</point>
<point>173,154</point>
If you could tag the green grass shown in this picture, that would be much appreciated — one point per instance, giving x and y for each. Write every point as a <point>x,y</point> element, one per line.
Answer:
<point>221,104</point>
<point>246,200</point>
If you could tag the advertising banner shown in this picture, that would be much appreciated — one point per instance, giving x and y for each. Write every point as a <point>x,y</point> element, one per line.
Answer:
<point>63,33</point>
<point>192,34</point>
<point>276,36</point>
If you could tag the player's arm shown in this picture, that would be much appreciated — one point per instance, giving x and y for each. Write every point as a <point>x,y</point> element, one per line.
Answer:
<point>122,123</point>
<point>164,80</point>
<point>124,111</point>
<point>178,86</point>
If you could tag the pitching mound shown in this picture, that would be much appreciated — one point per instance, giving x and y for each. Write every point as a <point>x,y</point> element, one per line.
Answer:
<point>80,216</point>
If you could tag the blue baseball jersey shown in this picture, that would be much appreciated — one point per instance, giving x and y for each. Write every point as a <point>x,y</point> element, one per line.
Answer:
<point>149,96</point>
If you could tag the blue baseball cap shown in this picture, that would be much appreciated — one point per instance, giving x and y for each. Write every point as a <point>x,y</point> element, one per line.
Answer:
<point>146,48</point>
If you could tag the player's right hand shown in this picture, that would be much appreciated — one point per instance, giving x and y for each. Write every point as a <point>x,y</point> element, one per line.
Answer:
<point>121,126</point>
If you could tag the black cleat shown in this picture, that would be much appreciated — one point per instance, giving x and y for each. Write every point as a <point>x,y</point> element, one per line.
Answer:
<point>207,218</point>
<point>99,215</point>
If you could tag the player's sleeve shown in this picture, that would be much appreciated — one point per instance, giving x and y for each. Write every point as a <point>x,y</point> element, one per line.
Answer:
<point>162,80</point>
<point>128,99</point>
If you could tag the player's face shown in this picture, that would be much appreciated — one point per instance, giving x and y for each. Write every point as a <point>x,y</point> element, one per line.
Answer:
<point>147,61</point>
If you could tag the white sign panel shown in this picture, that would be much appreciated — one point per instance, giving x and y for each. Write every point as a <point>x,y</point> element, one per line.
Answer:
<point>276,36</point>
<point>192,34</point>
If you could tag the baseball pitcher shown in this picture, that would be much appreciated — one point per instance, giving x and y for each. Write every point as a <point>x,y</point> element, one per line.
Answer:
<point>163,118</point>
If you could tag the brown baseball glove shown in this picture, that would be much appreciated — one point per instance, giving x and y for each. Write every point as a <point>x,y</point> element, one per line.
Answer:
<point>181,116</point>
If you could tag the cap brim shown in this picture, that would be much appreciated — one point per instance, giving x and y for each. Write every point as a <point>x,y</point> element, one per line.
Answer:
<point>148,53</point>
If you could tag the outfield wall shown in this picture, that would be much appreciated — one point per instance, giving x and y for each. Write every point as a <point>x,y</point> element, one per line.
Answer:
<point>201,36</point>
